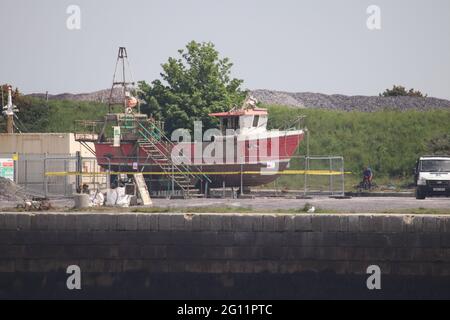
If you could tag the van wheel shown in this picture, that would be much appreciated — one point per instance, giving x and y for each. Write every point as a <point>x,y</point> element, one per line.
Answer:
<point>420,195</point>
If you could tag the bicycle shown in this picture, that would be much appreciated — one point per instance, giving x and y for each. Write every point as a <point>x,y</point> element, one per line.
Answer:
<point>365,185</point>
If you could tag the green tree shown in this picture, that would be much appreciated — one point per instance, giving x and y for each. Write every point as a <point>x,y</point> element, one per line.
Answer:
<point>193,85</point>
<point>397,91</point>
<point>33,113</point>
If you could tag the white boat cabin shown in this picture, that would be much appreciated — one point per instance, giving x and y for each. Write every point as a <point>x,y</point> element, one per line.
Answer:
<point>244,121</point>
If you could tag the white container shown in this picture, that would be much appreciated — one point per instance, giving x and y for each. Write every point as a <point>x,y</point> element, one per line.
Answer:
<point>81,200</point>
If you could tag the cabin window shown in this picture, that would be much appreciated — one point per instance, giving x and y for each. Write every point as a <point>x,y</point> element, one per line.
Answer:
<point>236,123</point>
<point>255,121</point>
<point>225,123</point>
<point>230,123</point>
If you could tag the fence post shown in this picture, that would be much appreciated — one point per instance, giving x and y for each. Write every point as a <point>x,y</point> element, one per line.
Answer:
<point>78,179</point>
<point>16,169</point>
<point>108,175</point>
<point>306,175</point>
<point>173,181</point>
<point>26,173</point>
<point>343,176</point>
<point>45,177</point>
<point>242,182</point>
<point>65,177</point>
<point>331,176</point>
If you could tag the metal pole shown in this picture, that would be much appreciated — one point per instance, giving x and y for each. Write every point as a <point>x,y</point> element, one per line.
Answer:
<point>306,162</point>
<point>168,192</point>
<point>65,177</point>
<point>306,174</point>
<point>78,179</point>
<point>343,176</point>
<point>307,142</point>
<point>16,169</point>
<point>173,181</point>
<point>26,174</point>
<point>242,182</point>
<point>304,179</point>
<point>108,175</point>
<point>97,179</point>
<point>45,177</point>
<point>331,176</point>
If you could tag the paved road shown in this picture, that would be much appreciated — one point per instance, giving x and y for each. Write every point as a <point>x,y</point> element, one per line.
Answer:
<point>357,204</point>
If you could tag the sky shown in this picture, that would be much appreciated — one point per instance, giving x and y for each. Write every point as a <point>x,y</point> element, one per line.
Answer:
<point>289,45</point>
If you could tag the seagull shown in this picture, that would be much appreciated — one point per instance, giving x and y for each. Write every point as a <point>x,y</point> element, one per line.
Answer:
<point>311,210</point>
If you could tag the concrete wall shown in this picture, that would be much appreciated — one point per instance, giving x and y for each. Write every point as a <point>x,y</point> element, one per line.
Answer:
<point>39,143</point>
<point>30,170</point>
<point>224,256</point>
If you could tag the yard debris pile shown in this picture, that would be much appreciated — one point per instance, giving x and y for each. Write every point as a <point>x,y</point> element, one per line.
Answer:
<point>9,191</point>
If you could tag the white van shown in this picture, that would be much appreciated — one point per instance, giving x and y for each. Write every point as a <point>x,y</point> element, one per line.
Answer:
<point>432,176</point>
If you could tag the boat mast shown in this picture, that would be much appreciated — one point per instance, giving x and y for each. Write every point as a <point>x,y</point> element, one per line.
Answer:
<point>122,59</point>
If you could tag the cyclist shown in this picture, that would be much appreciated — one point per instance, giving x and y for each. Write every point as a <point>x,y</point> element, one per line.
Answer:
<point>367,177</point>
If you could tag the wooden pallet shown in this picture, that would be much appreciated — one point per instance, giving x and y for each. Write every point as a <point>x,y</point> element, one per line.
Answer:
<point>142,189</point>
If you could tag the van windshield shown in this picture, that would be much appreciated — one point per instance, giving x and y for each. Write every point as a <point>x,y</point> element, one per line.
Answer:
<point>435,166</point>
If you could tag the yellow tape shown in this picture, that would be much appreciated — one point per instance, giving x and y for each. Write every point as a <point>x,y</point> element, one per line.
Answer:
<point>285,172</point>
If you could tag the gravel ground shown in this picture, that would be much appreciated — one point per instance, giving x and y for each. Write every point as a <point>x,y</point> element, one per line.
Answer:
<point>356,204</point>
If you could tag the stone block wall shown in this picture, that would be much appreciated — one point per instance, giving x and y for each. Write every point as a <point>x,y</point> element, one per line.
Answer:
<point>224,255</point>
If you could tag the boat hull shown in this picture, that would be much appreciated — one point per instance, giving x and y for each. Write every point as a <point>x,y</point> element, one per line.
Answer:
<point>244,163</point>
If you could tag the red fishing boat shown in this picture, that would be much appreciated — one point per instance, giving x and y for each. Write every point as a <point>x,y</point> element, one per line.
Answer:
<point>242,145</point>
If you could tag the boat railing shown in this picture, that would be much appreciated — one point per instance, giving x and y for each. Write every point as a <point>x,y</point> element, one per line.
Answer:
<point>293,124</point>
<point>88,126</point>
<point>87,130</point>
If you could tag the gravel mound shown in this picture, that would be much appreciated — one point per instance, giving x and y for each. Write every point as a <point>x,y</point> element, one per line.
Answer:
<point>9,191</point>
<point>295,99</point>
<point>96,96</point>
<point>349,103</point>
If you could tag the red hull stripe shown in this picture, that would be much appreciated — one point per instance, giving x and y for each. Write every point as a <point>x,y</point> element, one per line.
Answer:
<point>124,154</point>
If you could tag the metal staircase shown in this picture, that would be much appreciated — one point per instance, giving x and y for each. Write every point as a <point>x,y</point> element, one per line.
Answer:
<point>154,143</point>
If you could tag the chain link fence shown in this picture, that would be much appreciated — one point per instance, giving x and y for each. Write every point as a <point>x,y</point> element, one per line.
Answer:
<point>61,175</point>
<point>308,176</point>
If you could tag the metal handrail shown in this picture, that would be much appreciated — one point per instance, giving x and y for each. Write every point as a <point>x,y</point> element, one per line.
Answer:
<point>90,125</point>
<point>164,137</point>
<point>167,140</point>
<point>288,125</point>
